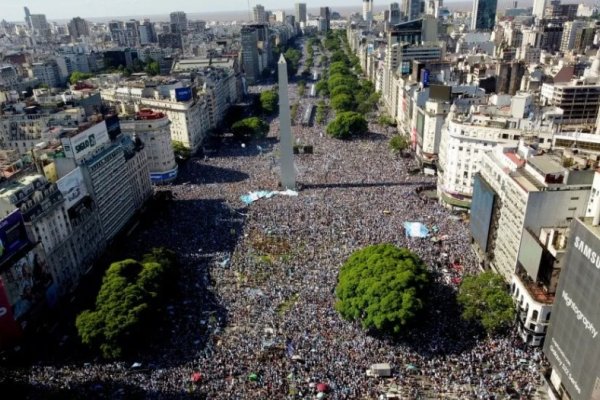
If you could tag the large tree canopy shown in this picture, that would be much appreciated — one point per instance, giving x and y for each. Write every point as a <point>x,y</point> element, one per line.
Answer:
<point>382,286</point>
<point>269,101</point>
<point>347,124</point>
<point>127,304</point>
<point>485,300</point>
<point>250,127</point>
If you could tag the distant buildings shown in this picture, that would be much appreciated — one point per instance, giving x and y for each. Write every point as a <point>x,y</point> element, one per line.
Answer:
<point>259,14</point>
<point>179,22</point>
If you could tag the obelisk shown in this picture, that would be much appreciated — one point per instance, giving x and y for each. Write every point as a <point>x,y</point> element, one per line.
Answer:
<point>288,173</point>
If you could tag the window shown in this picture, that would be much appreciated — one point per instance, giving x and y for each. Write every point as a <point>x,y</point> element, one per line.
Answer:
<point>534,315</point>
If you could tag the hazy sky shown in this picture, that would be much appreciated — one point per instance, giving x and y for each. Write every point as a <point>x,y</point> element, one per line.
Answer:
<point>12,10</point>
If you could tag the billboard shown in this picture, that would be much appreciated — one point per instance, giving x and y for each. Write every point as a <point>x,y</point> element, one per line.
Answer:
<point>530,253</point>
<point>440,92</point>
<point>573,341</point>
<point>482,208</point>
<point>10,330</point>
<point>13,236</point>
<point>26,283</point>
<point>183,94</point>
<point>72,186</point>
<point>85,142</point>
<point>425,77</point>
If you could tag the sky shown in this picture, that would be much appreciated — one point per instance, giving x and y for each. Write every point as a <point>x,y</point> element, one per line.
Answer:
<point>12,10</point>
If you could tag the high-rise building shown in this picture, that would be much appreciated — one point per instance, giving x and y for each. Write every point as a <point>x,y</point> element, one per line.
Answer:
<point>571,28</point>
<point>325,14</point>
<point>178,21</point>
<point>39,24</point>
<point>27,17</point>
<point>366,12</point>
<point>47,72</point>
<point>394,14</point>
<point>483,17</point>
<point>279,16</point>
<point>411,9</point>
<point>78,27</point>
<point>250,61</point>
<point>539,7</point>
<point>301,12</point>
<point>259,14</point>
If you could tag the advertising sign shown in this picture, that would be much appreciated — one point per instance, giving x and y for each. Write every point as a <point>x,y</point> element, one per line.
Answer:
<point>481,211</point>
<point>86,141</point>
<point>26,283</point>
<point>72,186</point>
<point>12,235</point>
<point>10,330</point>
<point>183,94</point>
<point>425,77</point>
<point>573,341</point>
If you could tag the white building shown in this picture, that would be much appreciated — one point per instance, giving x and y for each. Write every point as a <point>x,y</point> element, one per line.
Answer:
<point>153,129</point>
<point>463,141</point>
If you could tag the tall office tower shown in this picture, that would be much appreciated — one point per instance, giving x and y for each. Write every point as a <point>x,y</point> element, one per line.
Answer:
<point>413,9</point>
<point>394,17</point>
<point>539,7</point>
<point>78,27</point>
<point>279,16</point>
<point>365,10</point>
<point>39,24</point>
<point>325,14</point>
<point>483,17</point>
<point>27,17</point>
<point>301,12</point>
<point>250,63</point>
<point>259,14</point>
<point>178,22</point>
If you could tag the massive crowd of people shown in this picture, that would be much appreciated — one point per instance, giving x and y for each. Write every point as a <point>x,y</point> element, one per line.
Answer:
<point>256,317</point>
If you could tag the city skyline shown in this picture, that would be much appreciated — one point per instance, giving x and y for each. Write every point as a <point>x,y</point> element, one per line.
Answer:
<point>91,9</point>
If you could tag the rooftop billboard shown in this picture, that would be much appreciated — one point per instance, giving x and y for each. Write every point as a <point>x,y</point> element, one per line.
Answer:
<point>13,236</point>
<point>72,186</point>
<point>85,142</point>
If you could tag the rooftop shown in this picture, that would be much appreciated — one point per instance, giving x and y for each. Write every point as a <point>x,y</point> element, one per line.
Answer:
<point>546,164</point>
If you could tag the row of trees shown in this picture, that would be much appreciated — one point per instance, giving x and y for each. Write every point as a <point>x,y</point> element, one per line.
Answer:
<point>252,127</point>
<point>385,288</point>
<point>129,303</point>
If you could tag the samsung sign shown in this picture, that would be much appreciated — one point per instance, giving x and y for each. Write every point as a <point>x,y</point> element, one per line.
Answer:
<point>587,252</point>
<point>86,142</point>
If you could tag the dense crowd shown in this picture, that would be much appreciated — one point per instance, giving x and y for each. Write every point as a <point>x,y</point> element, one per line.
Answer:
<point>256,318</point>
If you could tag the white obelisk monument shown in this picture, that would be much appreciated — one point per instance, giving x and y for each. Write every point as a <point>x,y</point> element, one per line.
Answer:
<point>288,173</point>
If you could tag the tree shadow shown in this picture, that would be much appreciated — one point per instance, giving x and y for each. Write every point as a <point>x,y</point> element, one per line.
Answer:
<point>201,173</point>
<point>92,390</point>
<point>203,233</point>
<point>371,137</point>
<point>439,330</point>
<point>228,146</point>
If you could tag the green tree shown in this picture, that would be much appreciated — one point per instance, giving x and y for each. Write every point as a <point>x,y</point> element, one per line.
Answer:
<point>347,124</point>
<point>322,88</point>
<point>486,301</point>
<point>181,151</point>
<point>386,120</point>
<point>339,68</point>
<point>152,68</point>
<point>78,76</point>
<point>342,102</point>
<point>126,306</point>
<point>398,144</point>
<point>250,127</point>
<point>382,286</point>
<point>268,101</point>
<point>301,88</point>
